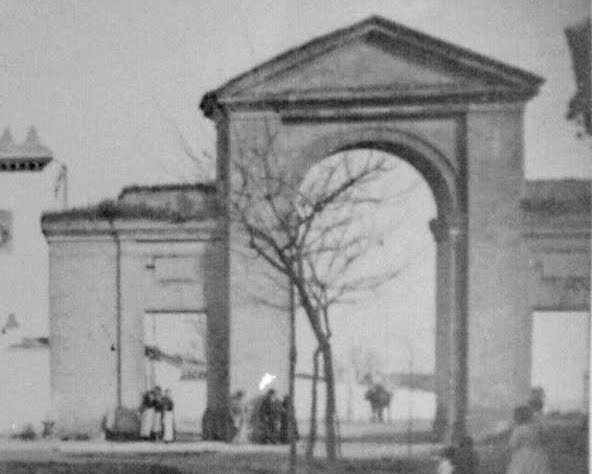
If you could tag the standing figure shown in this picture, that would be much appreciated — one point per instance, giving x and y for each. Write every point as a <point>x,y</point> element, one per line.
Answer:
<point>156,433</point>
<point>168,417</point>
<point>278,407</point>
<point>238,410</point>
<point>285,422</point>
<point>528,454</point>
<point>536,403</point>
<point>268,415</point>
<point>370,396</point>
<point>147,414</point>
<point>379,398</point>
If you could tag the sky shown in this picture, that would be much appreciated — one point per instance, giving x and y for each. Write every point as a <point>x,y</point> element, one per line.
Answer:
<point>393,324</point>
<point>110,84</point>
<point>106,83</point>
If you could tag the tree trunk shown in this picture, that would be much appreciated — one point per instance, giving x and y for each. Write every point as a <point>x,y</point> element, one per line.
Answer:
<point>292,373</point>
<point>330,409</point>
<point>312,437</point>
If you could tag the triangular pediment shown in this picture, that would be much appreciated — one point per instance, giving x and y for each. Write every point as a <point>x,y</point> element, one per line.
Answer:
<point>363,64</point>
<point>378,59</point>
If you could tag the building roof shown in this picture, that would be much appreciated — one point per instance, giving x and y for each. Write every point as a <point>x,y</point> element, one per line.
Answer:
<point>381,61</point>
<point>30,155</point>
<point>156,188</point>
<point>125,209</point>
<point>110,210</point>
<point>558,196</point>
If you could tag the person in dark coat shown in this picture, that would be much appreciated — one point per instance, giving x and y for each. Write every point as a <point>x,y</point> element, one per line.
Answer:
<point>379,398</point>
<point>284,422</point>
<point>146,414</point>
<point>156,433</point>
<point>269,419</point>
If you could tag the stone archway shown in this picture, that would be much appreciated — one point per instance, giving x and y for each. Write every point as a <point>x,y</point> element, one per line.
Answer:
<point>448,229</point>
<point>454,115</point>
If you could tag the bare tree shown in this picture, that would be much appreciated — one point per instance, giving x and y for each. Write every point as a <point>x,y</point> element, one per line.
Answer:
<point>364,363</point>
<point>307,230</point>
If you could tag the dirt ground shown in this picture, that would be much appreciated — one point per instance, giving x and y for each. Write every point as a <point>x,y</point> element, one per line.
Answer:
<point>207,463</point>
<point>567,447</point>
<point>493,461</point>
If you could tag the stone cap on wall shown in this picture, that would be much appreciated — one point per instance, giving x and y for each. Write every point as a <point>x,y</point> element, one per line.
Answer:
<point>202,188</point>
<point>139,207</point>
<point>135,228</point>
<point>562,196</point>
<point>186,199</point>
<point>558,209</point>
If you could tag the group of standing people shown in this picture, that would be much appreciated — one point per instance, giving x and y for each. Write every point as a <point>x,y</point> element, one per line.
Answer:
<point>264,421</point>
<point>157,415</point>
<point>274,418</point>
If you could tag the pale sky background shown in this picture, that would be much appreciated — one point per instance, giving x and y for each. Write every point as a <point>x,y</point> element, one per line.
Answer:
<point>101,80</point>
<point>104,81</point>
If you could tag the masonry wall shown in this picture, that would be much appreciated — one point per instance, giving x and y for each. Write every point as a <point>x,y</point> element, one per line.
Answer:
<point>162,270</point>
<point>298,146</point>
<point>488,148</point>
<point>259,329</point>
<point>499,320</point>
<point>133,360</point>
<point>559,251</point>
<point>82,332</point>
<point>156,276</point>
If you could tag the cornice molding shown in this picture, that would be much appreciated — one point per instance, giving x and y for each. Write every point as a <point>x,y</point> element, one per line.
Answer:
<point>481,79</point>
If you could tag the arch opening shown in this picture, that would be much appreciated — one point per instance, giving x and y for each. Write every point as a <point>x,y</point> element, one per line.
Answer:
<point>434,167</point>
<point>383,335</point>
<point>427,171</point>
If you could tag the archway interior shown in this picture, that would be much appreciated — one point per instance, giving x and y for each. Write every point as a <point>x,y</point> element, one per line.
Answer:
<point>382,332</point>
<point>175,359</point>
